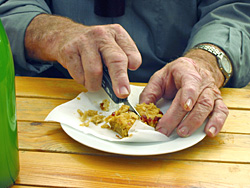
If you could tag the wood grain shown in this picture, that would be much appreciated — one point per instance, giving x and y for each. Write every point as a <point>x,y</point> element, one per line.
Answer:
<point>45,88</point>
<point>69,89</point>
<point>23,186</point>
<point>50,137</point>
<point>36,109</point>
<point>39,168</point>
<point>50,158</point>
<point>236,98</point>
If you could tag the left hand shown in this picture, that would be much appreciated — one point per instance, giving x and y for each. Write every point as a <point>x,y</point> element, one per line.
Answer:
<point>193,84</point>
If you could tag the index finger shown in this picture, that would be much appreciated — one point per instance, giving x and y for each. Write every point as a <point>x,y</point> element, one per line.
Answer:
<point>119,53</point>
<point>129,47</point>
<point>117,63</point>
<point>191,82</point>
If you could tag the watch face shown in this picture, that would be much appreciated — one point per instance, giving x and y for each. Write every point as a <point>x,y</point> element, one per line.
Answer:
<point>226,64</point>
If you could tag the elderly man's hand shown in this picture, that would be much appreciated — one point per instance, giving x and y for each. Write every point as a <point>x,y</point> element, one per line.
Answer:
<point>192,82</point>
<point>81,49</point>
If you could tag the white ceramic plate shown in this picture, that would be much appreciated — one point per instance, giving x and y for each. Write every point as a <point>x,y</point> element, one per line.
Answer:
<point>176,143</point>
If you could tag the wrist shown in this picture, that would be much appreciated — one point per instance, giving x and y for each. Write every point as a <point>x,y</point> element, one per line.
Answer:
<point>208,61</point>
<point>223,62</point>
<point>43,35</point>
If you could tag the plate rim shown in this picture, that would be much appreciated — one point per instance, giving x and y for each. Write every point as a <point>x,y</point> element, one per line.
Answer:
<point>84,139</point>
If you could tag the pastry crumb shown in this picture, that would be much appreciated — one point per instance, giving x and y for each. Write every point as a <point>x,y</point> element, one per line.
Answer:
<point>123,119</point>
<point>105,126</point>
<point>104,105</point>
<point>91,116</point>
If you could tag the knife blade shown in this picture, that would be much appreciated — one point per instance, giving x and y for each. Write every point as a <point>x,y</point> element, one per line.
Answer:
<point>107,86</point>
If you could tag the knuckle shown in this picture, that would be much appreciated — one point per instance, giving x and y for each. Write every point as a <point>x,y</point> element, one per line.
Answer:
<point>81,39</point>
<point>206,102</point>
<point>220,121</point>
<point>105,31</point>
<point>98,31</point>
<point>205,73</point>
<point>191,89</point>
<point>183,72</point>
<point>138,58</point>
<point>118,28</point>
<point>94,70</point>
<point>185,60</point>
<point>216,92</point>
<point>117,58</point>
<point>223,108</point>
<point>135,64</point>
<point>118,73</point>
<point>198,119</point>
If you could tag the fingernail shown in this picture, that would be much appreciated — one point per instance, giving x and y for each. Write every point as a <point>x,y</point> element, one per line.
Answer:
<point>188,105</point>
<point>183,131</point>
<point>123,91</point>
<point>163,130</point>
<point>212,130</point>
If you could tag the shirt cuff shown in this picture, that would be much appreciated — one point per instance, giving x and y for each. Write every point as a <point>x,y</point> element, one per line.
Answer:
<point>230,40</point>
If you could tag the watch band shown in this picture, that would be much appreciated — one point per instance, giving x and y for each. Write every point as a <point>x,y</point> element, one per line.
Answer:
<point>219,56</point>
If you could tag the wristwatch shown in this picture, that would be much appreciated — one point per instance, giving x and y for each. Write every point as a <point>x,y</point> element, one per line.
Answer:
<point>223,61</point>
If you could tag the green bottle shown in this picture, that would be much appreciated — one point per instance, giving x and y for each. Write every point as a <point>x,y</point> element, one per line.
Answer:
<point>9,159</point>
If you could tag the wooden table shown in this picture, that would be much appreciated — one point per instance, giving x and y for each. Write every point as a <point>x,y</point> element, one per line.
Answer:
<point>50,158</point>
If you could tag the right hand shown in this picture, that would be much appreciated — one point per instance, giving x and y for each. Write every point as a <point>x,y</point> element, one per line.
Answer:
<point>81,49</point>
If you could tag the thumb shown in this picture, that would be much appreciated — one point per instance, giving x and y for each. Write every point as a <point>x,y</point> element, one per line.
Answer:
<point>154,89</point>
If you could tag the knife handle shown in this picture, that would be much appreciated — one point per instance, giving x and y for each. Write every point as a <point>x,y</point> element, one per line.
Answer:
<point>107,86</point>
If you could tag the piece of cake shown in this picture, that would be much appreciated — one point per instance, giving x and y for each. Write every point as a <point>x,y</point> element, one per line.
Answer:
<point>150,113</point>
<point>122,120</point>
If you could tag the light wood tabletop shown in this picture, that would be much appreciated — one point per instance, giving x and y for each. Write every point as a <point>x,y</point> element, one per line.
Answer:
<point>50,158</point>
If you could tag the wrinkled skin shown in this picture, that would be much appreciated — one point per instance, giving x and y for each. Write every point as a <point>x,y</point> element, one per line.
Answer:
<point>80,49</point>
<point>194,94</point>
<point>191,81</point>
<point>82,53</point>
